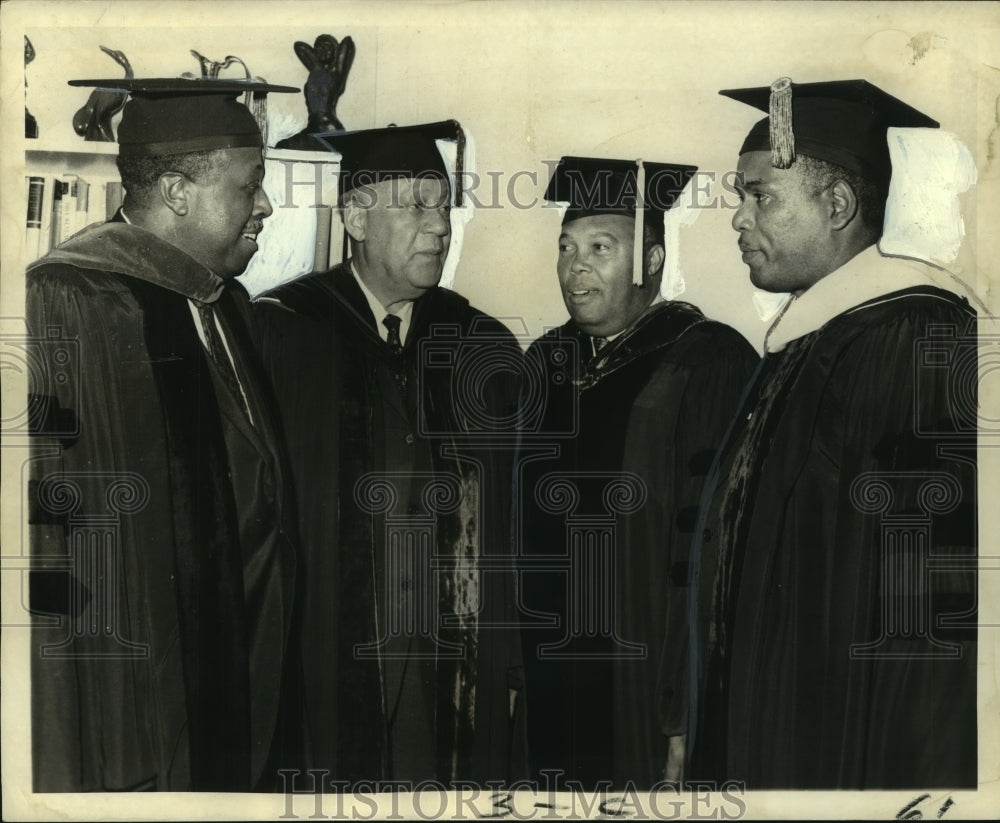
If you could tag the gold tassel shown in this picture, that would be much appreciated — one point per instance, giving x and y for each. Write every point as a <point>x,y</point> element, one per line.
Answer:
<point>782,135</point>
<point>638,263</point>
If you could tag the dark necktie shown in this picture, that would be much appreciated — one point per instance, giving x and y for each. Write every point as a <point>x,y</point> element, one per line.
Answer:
<point>392,323</point>
<point>599,343</point>
<point>218,354</point>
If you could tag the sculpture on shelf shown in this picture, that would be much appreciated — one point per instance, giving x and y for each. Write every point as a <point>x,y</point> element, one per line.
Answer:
<point>329,63</point>
<point>30,124</point>
<point>211,68</point>
<point>255,101</point>
<point>93,121</point>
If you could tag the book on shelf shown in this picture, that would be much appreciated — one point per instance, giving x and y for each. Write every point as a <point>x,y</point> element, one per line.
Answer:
<point>66,196</point>
<point>48,198</point>
<point>82,204</point>
<point>33,223</point>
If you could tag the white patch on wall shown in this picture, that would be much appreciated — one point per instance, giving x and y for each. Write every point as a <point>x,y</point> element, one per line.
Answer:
<point>287,245</point>
<point>460,217</point>
<point>281,125</point>
<point>682,213</point>
<point>930,168</point>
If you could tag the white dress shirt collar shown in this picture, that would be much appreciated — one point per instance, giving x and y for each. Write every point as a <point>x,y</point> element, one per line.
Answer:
<point>405,313</point>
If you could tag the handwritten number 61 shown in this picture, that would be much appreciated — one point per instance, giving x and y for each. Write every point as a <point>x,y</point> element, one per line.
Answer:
<point>908,812</point>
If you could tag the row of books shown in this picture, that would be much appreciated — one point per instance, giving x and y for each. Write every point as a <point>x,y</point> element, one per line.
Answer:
<point>60,205</point>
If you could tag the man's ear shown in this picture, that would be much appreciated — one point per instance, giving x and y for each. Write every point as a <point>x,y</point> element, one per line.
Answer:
<point>355,220</point>
<point>175,192</point>
<point>843,204</point>
<point>654,260</point>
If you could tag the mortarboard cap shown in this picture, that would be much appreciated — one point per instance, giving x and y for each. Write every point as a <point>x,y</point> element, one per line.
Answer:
<point>595,186</point>
<point>372,156</point>
<point>176,115</point>
<point>842,122</point>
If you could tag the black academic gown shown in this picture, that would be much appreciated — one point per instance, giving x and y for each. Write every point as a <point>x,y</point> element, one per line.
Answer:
<point>408,453</point>
<point>839,531</point>
<point>161,533</point>
<point>614,455</point>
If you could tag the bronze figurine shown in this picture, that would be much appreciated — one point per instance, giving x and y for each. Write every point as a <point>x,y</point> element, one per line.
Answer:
<point>329,63</point>
<point>93,121</point>
<point>30,124</point>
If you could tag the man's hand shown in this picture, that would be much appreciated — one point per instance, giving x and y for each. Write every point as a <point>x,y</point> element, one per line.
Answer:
<point>674,772</point>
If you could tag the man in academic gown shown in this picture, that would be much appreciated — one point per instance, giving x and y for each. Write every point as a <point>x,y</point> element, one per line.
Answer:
<point>639,392</point>
<point>161,530</point>
<point>399,402</point>
<point>837,640</point>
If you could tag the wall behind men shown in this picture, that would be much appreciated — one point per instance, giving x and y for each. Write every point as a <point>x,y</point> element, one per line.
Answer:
<point>530,85</point>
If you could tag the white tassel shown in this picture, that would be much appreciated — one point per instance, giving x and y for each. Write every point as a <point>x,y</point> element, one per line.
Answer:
<point>638,258</point>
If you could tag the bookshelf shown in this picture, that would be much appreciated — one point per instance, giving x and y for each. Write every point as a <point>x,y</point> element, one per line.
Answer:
<point>67,188</point>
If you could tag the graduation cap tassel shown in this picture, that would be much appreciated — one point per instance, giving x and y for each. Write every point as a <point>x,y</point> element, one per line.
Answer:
<point>258,105</point>
<point>782,136</point>
<point>638,262</point>
<point>459,164</point>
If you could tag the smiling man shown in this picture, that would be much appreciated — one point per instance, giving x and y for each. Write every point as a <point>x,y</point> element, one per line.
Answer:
<point>393,390</point>
<point>639,390</point>
<point>837,641</point>
<point>164,559</point>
